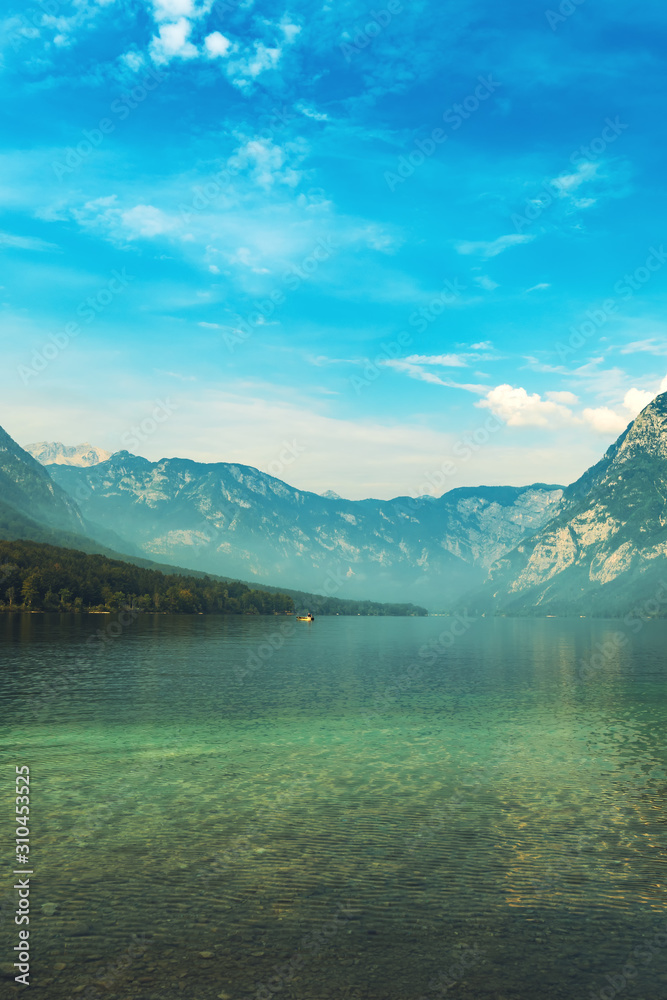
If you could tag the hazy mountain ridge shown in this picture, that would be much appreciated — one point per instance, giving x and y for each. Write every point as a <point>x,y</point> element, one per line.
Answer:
<point>234,519</point>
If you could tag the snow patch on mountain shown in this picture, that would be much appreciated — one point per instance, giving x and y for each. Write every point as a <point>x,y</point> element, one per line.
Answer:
<point>57,453</point>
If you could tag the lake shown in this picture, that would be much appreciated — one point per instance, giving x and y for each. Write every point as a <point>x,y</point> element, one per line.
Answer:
<point>357,808</point>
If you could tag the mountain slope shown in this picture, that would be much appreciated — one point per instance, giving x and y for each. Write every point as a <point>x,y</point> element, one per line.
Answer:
<point>27,487</point>
<point>233,519</point>
<point>606,550</point>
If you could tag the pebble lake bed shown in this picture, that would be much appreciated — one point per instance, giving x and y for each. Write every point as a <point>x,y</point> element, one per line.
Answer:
<point>380,809</point>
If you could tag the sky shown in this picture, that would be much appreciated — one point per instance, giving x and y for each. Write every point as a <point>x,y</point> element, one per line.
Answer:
<point>383,250</point>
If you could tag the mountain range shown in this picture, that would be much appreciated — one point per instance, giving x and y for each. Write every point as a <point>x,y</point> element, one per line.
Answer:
<point>234,519</point>
<point>597,546</point>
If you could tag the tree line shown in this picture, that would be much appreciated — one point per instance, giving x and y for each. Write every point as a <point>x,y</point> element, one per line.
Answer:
<point>35,576</point>
<point>38,577</point>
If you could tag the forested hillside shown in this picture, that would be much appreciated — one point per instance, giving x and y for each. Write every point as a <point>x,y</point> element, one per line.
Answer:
<point>39,577</point>
<point>36,577</point>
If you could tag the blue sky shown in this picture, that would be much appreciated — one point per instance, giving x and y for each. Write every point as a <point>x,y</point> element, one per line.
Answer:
<point>384,250</point>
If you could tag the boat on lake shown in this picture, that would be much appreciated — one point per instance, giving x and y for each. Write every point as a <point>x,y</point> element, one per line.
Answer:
<point>306,618</point>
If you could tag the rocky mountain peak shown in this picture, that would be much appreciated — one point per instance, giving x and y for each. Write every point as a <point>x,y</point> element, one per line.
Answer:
<point>647,434</point>
<point>57,453</point>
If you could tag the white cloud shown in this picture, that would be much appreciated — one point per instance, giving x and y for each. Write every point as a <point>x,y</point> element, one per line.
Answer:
<point>171,10</point>
<point>518,408</point>
<point>133,60</point>
<point>173,42</point>
<point>538,288</point>
<point>486,283</point>
<point>145,220</point>
<point>562,397</point>
<point>217,46</point>
<point>268,163</point>
<point>636,399</point>
<point>491,248</point>
<point>318,116</point>
<point>605,421</point>
<point>257,60</point>
<point>123,224</point>
<point>290,30</point>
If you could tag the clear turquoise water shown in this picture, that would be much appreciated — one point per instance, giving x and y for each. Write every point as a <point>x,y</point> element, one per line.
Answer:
<point>332,823</point>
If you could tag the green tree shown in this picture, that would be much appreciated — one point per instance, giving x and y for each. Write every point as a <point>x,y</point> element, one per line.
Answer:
<point>30,590</point>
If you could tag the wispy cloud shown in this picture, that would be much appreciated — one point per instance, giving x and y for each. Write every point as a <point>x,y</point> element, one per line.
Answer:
<point>491,248</point>
<point>422,373</point>
<point>440,360</point>
<point>27,243</point>
<point>649,346</point>
<point>566,185</point>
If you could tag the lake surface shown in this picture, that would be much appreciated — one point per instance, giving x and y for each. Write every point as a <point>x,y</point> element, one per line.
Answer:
<point>358,808</point>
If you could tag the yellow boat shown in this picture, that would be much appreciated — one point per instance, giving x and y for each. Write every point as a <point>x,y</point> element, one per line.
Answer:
<point>305,618</point>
